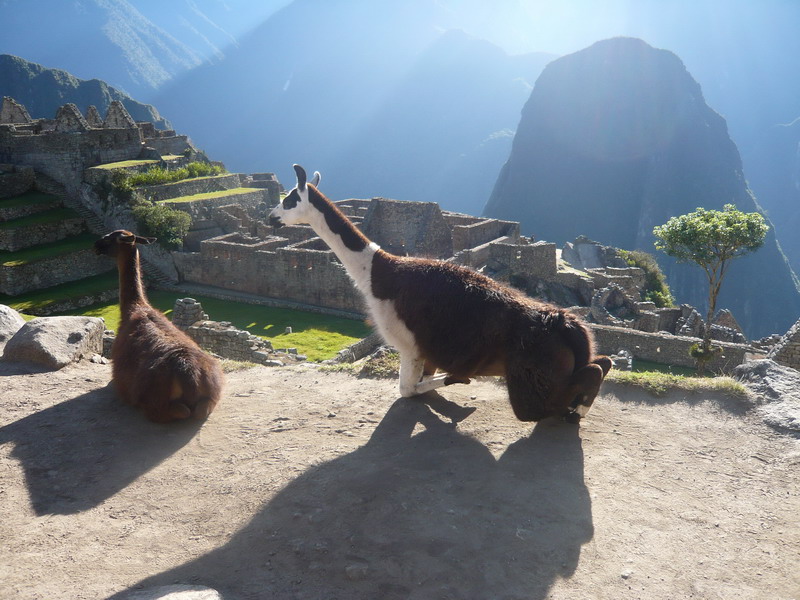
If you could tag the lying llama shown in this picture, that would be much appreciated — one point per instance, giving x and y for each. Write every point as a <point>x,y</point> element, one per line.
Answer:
<point>155,366</point>
<point>441,316</point>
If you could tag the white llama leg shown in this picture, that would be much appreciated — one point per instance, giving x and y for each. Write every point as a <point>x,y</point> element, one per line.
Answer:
<point>411,367</point>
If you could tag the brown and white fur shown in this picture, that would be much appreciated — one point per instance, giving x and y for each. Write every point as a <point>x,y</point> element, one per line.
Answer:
<point>155,366</point>
<point>445,317</point>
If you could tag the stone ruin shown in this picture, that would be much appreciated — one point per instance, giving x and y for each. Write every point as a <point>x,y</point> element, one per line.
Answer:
<point>231,247</point>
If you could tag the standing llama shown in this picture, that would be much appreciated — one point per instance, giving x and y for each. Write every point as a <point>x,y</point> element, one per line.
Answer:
<point>155,366</point>
<point>443,316</point>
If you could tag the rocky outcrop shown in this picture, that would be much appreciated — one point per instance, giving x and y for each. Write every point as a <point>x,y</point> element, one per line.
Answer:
<point>55,342</point>
<point>776,389</point>
<point>616,139</point>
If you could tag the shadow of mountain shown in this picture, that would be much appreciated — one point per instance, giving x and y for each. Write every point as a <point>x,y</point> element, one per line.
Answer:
<point>80,452</point>
<point>420,511</point>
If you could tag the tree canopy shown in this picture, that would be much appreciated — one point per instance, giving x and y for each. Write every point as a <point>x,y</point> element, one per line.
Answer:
<point>711,238</point>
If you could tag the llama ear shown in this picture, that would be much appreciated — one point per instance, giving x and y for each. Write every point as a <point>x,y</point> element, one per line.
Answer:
<point>144,240</point>
<point>301,177</point>
<point>315,179</point>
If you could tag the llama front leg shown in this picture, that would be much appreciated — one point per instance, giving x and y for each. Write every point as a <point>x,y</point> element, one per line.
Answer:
<point>412,382</point>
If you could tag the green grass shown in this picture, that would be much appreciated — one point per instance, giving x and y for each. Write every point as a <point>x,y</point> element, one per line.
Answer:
<point>317,336</point>
<point>26,256</point>
<point>207,195</point>
<point>124,164</point>
<point>42,218</point>
<point>659,383</point>
<point>27,199</point>
<point>40,299</point>
<point>159,175</point>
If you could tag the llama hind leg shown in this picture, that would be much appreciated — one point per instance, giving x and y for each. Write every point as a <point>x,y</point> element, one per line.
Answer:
<point>414,379</point>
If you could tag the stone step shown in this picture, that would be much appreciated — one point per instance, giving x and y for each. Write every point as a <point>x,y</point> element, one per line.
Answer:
<point>29,203</point>
<point>189,187</point>
<point>68,296</point>
<point>46,265</point>
<point>45,227</point>
<point>198,205</point>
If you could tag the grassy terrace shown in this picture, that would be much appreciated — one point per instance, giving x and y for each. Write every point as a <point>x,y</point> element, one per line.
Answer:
<point>27,199</point>
<point>317,336</point>
<point>208,195</point>
<point>43,218</point>
<point>42,298</point>
<point>126,164</point>
<point>45,251</point>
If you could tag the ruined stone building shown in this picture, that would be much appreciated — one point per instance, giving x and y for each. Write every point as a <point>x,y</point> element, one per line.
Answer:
<point>230,248</point>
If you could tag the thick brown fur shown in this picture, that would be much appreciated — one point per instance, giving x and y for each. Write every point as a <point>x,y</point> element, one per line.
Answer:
<point>156,367</point>
<point>468,325</point>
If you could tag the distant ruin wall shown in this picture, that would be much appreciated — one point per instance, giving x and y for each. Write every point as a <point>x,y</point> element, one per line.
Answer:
<point>787,351</point>
<point>64,156</point>
<point>483,232</point>
<point>665,349</point>
<point>170,145</point>
<point>300,275</point>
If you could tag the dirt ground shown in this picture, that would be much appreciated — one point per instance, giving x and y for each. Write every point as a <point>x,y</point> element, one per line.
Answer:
<point>305,484</point>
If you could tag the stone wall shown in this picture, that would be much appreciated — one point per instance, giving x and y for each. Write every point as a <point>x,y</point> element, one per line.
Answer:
<point>15,180</point>
<point>665,349</point>
<point>224,340</point>
<point>477,234</point>
<point>18,279</point>
<point>297,274</point>
<point>64,156</point>
<point>408,228</point>
<point>787,351</point>
<point>13,239</point>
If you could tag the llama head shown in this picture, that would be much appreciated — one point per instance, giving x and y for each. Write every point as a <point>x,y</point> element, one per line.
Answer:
<point>110,244</point>
<point>295,208</point>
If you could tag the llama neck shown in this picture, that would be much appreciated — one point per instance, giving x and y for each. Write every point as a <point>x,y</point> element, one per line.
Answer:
<point>350,246</point>
<point>131,288</point>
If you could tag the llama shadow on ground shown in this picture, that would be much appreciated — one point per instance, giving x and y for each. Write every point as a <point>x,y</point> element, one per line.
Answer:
<point>420,511</point>
<point>82,451</point>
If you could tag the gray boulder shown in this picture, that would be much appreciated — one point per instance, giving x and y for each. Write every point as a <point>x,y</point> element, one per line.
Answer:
<point>175,592</point>
<point>777,391</point>
<point>55,342</point>
<point>10,323</point>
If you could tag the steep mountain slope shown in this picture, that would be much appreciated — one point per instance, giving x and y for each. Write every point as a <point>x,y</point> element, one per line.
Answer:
<point>773,170</point>
<point>105,39</point>
<point>42,91</point>
<point>616,139</point>
<point>445,130</point>
<point>358,106</point>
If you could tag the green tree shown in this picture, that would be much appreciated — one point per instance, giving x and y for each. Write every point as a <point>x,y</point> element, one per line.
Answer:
<point>711,239</point>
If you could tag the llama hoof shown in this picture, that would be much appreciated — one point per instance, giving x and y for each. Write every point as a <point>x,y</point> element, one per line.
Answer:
<point>451,379</point>
<point>573,417</point>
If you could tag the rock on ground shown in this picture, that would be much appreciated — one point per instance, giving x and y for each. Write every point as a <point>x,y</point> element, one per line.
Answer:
<point>10,323</point>
<point>777,391</point>
<point>55,342</point>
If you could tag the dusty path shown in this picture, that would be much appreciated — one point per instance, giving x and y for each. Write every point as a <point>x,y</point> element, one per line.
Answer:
<point>316,485</point>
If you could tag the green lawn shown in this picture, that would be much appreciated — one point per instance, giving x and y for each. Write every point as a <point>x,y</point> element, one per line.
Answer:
<point>209,195</point>
<point>317,336</point>
<point>44,251</point>
<point>123,164</point>
<point>45,217</point>
<point>28,198</point>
